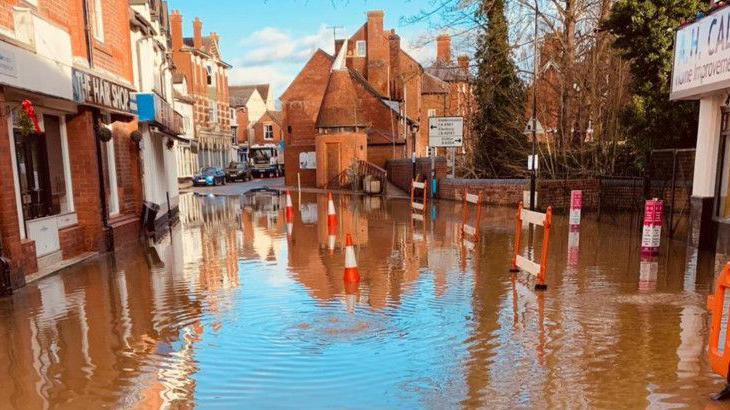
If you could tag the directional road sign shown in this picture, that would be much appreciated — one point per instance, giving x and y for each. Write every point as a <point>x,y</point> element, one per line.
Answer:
<point>446,131</point>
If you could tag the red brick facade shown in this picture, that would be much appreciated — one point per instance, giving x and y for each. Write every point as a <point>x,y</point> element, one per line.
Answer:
<point>259,132</point>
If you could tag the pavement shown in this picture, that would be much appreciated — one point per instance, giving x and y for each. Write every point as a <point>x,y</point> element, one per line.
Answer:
<point>239,188</point>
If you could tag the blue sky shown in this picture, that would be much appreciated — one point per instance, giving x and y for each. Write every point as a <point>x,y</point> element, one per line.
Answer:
<point>271,40</point>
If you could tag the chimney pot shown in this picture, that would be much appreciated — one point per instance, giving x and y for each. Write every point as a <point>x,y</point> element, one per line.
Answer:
<point>464,62</point>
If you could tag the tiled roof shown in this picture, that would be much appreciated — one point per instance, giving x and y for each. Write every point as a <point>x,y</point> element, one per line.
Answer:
<point>433,85</point>
<point>277,116</point>
<point>208,45</point>
<point>449,72</point>
<point>240,94</point>
<point>340,105</point>
<point>378,136</point>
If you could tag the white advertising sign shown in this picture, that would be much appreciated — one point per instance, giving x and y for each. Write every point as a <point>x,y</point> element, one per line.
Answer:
<point>533,162</point>
<point>446,131</point>
<point>702,56</point>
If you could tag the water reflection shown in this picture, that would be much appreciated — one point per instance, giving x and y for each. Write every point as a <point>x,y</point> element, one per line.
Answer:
<point>240,305</point>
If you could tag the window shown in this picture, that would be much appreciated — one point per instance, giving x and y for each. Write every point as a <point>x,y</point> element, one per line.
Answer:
<point>431,112</point>
<point>362,48</point>
<point>97,21</point>
<point>214,113</point>
<point>268,132</point>
<point>210,75</point>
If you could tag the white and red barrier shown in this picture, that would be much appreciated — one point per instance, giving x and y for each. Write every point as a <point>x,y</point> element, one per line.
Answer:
<point>471,232</point>
<point>289,214</point>
<point>652,231</point>
<point>415,205</point>
<point>576,204</point>
<point>520,262</point>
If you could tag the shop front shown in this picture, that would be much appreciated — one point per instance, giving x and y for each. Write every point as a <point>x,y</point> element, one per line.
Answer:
<point>106,158</point>
<point>161,128</point>
<point>701,72</point>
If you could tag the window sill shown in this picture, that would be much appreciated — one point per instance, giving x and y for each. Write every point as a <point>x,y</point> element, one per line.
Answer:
<point>102,47</point>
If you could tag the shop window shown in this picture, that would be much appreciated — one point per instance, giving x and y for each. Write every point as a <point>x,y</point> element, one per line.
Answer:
<point>42,169</point>
<point>268,132</point>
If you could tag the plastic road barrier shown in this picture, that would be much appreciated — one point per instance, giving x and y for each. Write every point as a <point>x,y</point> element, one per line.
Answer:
<point>520,262</point>
<point>718,350</point>
<point>352,274</point>
<point>418,206</point>
<point>652,232</point>
<point>467,230</point>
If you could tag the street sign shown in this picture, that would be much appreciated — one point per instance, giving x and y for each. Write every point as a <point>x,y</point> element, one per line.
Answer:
<point>533,162</point>
<point>446,131</point>
<point>539,130</point>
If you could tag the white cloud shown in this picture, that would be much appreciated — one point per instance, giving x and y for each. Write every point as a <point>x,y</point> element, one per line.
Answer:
<point>272,44</point>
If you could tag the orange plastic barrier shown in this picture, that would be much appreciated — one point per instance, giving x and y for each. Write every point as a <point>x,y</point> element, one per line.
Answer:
<point>467,230</point>
<point>520,262</point>
<point>719,343</point>
<point>418,206</point>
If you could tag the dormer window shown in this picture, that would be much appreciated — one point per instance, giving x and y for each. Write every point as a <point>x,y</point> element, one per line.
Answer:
<point>361,48</point>
<point>209,73</point>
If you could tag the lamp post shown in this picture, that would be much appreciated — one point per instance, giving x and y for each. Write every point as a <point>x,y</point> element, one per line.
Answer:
<point>533,163</point>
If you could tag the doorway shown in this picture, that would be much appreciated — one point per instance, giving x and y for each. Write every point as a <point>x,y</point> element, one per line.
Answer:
<point>333,163</point>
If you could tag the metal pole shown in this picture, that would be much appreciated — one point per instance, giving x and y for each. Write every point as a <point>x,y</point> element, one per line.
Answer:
<point>533,173</point>
<point>674,188</point>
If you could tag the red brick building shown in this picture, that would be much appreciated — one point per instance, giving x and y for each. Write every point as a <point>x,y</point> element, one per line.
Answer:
<point>363,104</point>
<point>447,92</point>
<point>198,60</point>
<point>268,129</point>
<point>72,180</point>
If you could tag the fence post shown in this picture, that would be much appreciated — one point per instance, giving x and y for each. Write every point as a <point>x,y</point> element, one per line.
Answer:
<point>518,238</point>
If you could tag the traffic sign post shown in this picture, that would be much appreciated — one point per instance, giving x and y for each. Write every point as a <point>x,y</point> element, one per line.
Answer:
<point>446,131</point>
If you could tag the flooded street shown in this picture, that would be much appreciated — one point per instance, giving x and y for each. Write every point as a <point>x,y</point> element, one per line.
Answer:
<point>235,307</point>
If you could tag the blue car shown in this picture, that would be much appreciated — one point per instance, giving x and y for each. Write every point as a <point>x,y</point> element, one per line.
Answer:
<point>210,176</point>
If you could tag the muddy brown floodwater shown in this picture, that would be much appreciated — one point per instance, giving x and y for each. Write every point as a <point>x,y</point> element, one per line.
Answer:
<point>237,309</point>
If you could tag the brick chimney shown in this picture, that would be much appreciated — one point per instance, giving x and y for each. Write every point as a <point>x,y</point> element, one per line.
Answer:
<point>396,86</point>
<point>338,45</point>
<point>378,53</point>
<point>464,62</point>
<point>176,31</point>
<point>198,33</point>
<point>443,48</point>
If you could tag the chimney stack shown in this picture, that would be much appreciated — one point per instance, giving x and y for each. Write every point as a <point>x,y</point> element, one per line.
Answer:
<point>176,31</point>
<point>396,86</point>
<point>378,53</point>
<point>464,62</point>
<point>198,33</point>
<point>443,48</point>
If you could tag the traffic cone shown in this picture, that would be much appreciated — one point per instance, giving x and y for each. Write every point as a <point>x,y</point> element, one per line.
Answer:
<point>289,215</point>
<point>331,214</point>
<point>352,275</point>
<point>331,238</point>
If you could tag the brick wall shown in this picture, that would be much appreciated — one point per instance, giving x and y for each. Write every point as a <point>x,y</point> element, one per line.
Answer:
<point>291,161</point>
<point>258,130</point>
<point>507,192</point>
<point>28,262</point>
<point>400,171</point>
<point>72,241</point>
<point>85,178</point>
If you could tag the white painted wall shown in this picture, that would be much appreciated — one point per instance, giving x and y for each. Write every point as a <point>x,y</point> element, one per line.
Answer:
<point>708,144</point>
<point>256,108</point>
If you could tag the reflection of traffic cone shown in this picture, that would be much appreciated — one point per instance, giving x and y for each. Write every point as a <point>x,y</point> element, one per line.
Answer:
<point>331,238</point>
<point>331,214</point>
<point>351,273</point>
<point>289,214</point>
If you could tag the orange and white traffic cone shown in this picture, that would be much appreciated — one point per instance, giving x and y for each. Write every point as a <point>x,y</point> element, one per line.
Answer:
<point>352,275</point>
<point>331,238</point>
<point>289,214</point>
<point>331,214</point>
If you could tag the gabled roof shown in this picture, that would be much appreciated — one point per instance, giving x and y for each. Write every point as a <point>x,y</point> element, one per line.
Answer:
<point>433,85</point>
<point>239,95</point>
<point>275,116</point>
<point>209,46</point>
<point>319,52</point>
<point>449,72</point>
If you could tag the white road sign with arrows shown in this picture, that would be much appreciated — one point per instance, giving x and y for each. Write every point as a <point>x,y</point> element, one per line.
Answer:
<point>446,131</point>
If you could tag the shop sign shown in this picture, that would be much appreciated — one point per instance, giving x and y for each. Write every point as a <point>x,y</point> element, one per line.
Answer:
<point>702,56</point>
<point>89,89</point>
<point>153,109</point>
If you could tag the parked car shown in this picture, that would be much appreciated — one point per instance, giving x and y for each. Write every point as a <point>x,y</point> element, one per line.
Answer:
<point>238,171</point>
<point>210,176</point>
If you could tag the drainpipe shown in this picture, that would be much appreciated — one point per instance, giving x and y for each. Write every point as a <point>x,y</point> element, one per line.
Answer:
<point>109,239</point>
<point>88,34</point>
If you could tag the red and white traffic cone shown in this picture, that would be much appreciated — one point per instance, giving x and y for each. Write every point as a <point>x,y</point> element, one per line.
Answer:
<point>331,214</point>
<point>331,238</point>
<point>289,214</point>
<point>352,275</point>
